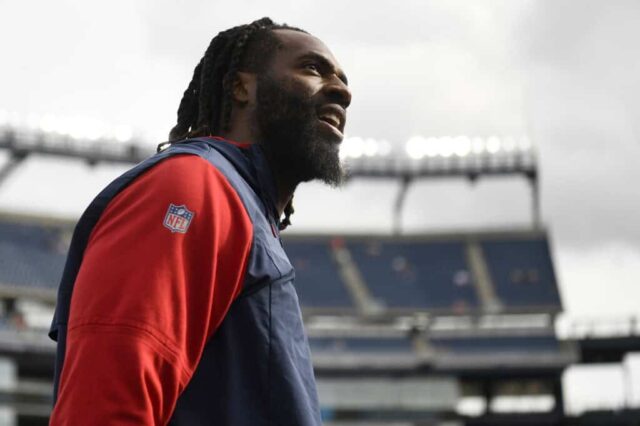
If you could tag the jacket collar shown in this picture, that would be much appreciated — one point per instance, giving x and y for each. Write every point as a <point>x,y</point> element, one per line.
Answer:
<point>251,162</point>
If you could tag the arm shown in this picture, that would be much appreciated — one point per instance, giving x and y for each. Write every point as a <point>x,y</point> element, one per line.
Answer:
<point>147,299</point>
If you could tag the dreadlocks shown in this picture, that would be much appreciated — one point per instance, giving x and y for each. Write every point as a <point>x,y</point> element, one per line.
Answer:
<point>205,108</point>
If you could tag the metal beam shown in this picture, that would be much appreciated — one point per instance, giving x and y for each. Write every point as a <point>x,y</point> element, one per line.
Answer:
<point>398,206</point>
<point>20,143</point>
<point>13,162</point>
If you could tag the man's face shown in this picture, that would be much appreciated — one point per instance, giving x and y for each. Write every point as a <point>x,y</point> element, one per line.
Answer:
<point>300,113</point>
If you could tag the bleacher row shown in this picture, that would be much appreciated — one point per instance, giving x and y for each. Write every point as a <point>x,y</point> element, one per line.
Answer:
<point>414,274</point>
<point>397,272</point>
<point>430,275</point>
<point>474,345</point>
<point>31,255</point>
<point>420,274</point>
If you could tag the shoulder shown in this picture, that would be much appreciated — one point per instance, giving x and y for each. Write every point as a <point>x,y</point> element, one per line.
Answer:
<point>183,180</point>
<point>185,175</point>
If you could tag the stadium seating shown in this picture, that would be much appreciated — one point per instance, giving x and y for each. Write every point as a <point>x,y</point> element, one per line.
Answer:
<point>398,273</point>
<point>415,274</point>
<point>360,345</point>
<point>30,255</point>
<point>522,272</point>
<point>318,282</point>
<point>511,344</point>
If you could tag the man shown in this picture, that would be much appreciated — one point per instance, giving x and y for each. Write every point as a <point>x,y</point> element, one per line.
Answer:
<point>177,303</point>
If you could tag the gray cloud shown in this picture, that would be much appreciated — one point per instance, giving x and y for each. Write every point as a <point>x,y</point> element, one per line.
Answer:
<point>583,87</point>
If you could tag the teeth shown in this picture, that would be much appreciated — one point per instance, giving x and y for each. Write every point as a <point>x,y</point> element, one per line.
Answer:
<point>331,120</point>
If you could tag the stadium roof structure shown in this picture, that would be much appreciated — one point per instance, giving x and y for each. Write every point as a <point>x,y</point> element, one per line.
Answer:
<point>444,157</point>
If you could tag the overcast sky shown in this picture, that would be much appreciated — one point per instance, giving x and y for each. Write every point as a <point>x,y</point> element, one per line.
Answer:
<point>564,73</point>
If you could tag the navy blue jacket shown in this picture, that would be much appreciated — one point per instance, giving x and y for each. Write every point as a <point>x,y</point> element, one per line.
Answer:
<point>256,368</point>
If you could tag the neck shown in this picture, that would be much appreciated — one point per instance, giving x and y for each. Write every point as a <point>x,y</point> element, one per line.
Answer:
<point>285,186</point>
<point>239,134</point>
<point>285,191</point>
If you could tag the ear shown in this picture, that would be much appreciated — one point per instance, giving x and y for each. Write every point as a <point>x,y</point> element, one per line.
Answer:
<point>244,88</point>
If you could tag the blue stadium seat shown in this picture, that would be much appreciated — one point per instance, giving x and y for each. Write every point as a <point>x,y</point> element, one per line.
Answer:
<point>416,274</point>
<point>30,255</point>
<point>318,282</point>
<point>522,272</point>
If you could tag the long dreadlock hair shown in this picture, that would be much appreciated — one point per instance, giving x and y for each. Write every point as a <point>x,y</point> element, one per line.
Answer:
<point>205,108</point>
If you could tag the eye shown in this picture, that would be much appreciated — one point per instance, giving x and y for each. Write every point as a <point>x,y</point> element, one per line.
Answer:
<point>312,66</point>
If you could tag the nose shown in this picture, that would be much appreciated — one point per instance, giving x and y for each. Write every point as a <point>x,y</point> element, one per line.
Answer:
<point>337,91</point>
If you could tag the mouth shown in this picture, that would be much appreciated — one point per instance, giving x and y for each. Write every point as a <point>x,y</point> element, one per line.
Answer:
<point>331,125</point>
<point>333,117</point>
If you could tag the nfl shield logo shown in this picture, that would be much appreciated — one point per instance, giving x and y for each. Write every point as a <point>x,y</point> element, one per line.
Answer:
<point>178,218</point>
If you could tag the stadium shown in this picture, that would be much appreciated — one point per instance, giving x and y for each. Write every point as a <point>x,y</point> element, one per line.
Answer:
<point>423,329</point>
<point>408,325</point>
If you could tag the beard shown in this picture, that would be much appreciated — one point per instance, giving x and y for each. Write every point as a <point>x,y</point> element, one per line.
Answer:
<point>290,133</point>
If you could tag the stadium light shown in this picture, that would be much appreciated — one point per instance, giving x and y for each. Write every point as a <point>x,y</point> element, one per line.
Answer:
<point>509,144</point>
<point>384,148</point>
<point>439,156</point>
<point>370,147</point>
<point>122,133</point>
<point>415,147</point>
<point>446,156</point>
<point>446,146</point>
<point>494,149</point>
<point>355,148</point>
<point>76,127</point>
<point>352,147</point>
<point>477,145</point>
<point>493,144</point>
<point>462,146</point>
<point>431,147</point>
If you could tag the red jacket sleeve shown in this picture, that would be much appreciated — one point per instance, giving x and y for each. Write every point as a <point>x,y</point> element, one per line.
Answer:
<point>147,298</point>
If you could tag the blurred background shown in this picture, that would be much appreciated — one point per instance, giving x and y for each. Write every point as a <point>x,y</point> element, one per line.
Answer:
<point>481,265</point>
